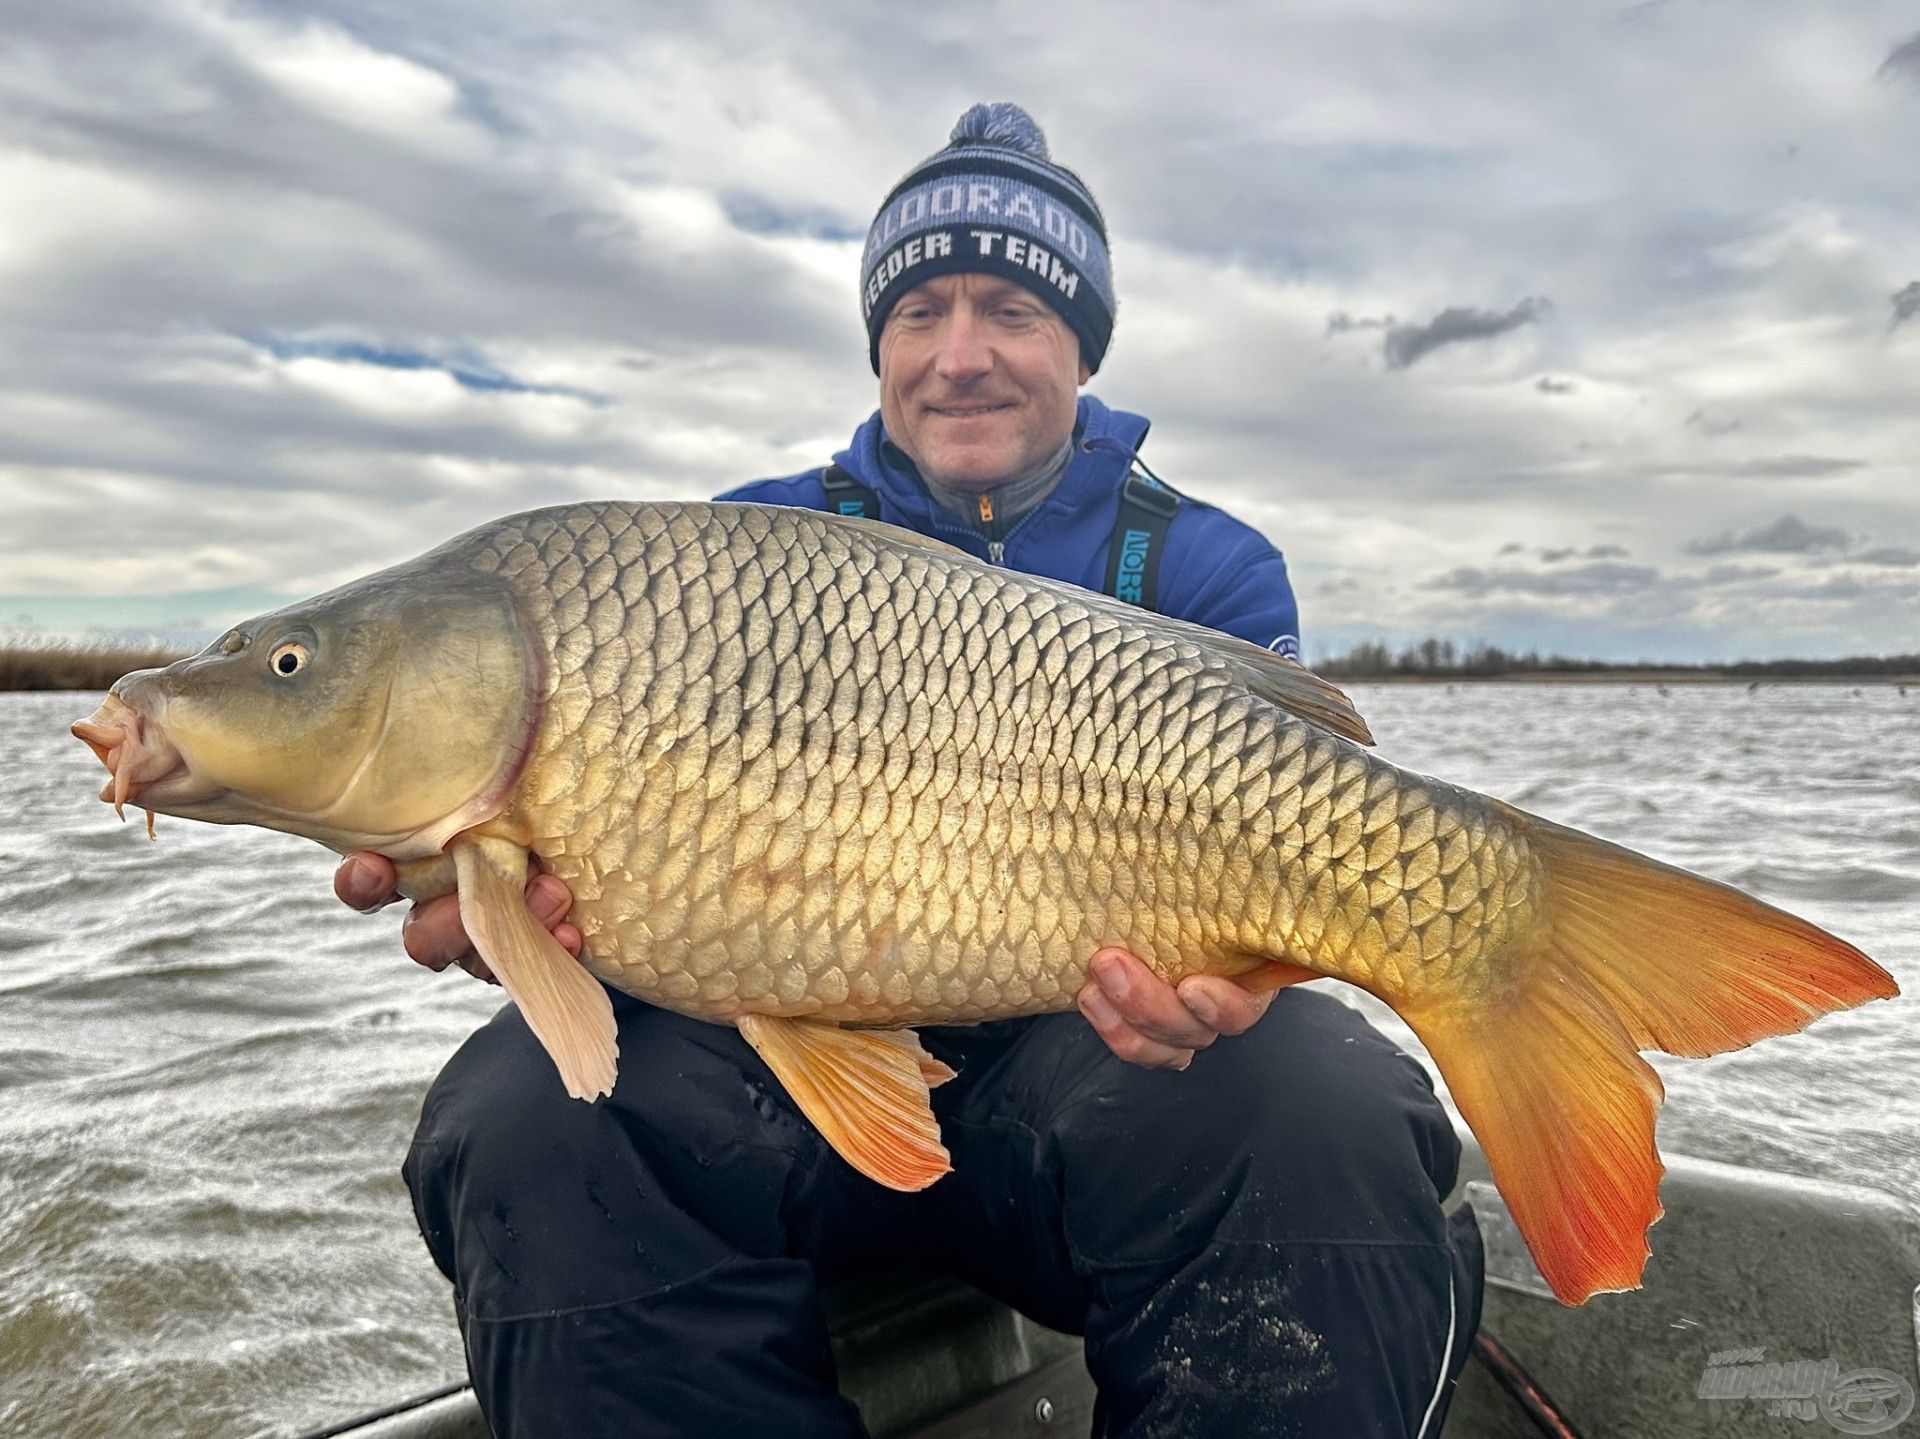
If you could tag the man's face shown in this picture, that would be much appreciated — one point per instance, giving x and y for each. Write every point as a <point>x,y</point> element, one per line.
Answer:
<point>979,379</point>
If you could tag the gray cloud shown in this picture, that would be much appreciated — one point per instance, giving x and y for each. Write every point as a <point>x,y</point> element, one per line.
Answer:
<point>1737,574</point>
<point>1769,467</point>
<point>756,215</point>
<point>1341,323</point>
<point>1547,385</point>
<point>466,369</point>
<point>1788,535</point>
<point>1887,555</point>
<point>1707,424</point>
<point>1903,61</point>
<point>1832,589</point>
<point>1602,578</point>
<point>1406,345</point>
<point>1606,552</point>
<point>1906,304</point>
<point>1797,467</point>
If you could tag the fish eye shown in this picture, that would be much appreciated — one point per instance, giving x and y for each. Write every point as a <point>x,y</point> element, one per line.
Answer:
<point>289,657</point>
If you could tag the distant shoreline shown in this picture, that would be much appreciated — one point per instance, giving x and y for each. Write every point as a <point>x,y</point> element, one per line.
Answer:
<point>39,668</point>
<point>1627,675</point>
<point>35,668</point>
<point>1435,658</point>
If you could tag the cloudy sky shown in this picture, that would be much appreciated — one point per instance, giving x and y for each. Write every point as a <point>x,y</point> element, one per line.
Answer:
<point>1588,327</point>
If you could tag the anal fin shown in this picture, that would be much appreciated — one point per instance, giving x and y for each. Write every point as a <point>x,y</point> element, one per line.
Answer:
<point>563,1005</point>
<point>865,1090</point>
<point>1275,974</point>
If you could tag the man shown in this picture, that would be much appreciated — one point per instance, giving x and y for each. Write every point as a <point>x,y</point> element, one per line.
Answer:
<point>1251,1245</point>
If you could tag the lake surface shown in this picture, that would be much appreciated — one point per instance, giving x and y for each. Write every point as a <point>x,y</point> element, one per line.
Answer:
<point>209,1069</point>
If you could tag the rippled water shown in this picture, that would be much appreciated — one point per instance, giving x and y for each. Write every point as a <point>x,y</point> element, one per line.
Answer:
<point>209,1069</point>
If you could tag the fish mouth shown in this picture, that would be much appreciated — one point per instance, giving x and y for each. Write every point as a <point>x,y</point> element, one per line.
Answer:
<point>143,766</point>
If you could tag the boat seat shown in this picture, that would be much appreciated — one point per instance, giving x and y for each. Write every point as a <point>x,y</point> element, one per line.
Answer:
<point>919,1352</point>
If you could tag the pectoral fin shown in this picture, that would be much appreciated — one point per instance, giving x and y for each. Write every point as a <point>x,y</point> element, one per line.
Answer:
<point>865,1090</point>
<point>563,1005</point>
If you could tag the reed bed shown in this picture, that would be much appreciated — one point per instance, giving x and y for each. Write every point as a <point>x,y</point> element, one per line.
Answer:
<point>62,665</point>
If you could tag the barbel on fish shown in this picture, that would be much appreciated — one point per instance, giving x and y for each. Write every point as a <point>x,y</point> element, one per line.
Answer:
<point>825,779</point>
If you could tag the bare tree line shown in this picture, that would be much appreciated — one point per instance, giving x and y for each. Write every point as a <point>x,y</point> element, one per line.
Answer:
<point>1437,658</point>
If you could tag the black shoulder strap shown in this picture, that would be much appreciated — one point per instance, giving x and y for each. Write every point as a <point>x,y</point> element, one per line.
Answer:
<point>847,496</point>
<point>1147,508</point>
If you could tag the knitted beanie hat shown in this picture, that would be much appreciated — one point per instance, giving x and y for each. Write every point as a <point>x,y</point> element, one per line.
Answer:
<point>994,201</point>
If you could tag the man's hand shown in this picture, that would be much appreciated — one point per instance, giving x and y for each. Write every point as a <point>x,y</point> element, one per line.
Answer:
<point>1148,1022</point>
<point>433,934</point>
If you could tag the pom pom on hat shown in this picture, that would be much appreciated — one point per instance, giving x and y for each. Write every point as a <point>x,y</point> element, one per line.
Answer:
<point>1001,123</point>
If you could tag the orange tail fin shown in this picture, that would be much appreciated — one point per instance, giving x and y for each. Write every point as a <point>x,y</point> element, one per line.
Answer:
<point>1631,955</point>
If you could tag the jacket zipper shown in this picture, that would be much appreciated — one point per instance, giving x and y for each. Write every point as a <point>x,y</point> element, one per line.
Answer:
<point>996,549</point>
<point>960,538</point>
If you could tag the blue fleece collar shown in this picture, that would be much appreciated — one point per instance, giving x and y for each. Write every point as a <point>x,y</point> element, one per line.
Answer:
<point>1104,442</point>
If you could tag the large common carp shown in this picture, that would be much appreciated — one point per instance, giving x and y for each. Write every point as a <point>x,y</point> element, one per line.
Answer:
<point>826,779</point>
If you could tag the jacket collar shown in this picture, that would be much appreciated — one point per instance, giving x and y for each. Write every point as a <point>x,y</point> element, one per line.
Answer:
<point>1104,442</point>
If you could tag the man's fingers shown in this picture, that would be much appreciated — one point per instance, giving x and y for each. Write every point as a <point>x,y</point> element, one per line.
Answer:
<point>474,965</point>
<point>548,899</point>
<point>366,881</point>
<point>1147,1021</point>
<point>1148,1002</point>
<point>1123,1039</point>
<point>433,934</point>
<point>1222,1005</point>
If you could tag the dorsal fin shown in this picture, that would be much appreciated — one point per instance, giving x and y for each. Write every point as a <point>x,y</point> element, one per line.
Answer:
<point>1299,691</point>
<point>1275,678</point>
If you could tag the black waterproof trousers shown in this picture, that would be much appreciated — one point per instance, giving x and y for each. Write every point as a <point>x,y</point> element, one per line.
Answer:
<point>1252,1247</point>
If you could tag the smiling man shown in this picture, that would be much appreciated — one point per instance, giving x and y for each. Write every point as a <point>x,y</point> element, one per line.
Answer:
<point>977,379</point>
<point>1248,1233</point>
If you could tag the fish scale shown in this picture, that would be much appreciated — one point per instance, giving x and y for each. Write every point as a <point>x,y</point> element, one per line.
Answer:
<point>883,782</point>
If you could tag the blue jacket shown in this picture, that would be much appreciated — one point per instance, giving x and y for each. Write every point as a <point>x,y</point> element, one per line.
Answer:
<point>1214,570</point>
